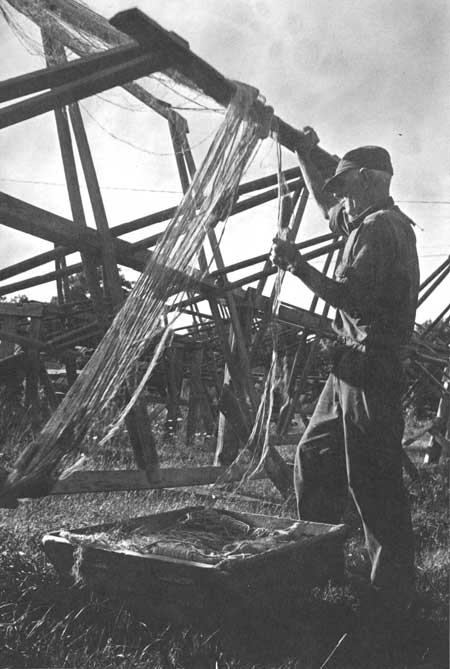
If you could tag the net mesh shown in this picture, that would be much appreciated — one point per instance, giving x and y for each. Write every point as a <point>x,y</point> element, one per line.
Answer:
<point>83,31</point>
<point>211,195</point>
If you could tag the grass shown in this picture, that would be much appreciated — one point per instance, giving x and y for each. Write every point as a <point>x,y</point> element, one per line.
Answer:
<point>45,622</point>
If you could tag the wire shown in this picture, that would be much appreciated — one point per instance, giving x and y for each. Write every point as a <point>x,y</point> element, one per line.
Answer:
<point>423,201</point>
<point>185,97</point>
<point>122,188</point>
<point>146,109</point>
<point>142,108</point>
<point>136,146</point>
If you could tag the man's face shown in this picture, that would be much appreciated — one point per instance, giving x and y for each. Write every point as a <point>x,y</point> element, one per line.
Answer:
<point>351,190</point>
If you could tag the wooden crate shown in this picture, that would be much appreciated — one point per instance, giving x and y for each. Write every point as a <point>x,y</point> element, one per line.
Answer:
<point>183,590</point>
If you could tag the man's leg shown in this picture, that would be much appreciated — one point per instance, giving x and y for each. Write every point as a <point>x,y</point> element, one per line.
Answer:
<point>319,473</point>
<point>373,429</point>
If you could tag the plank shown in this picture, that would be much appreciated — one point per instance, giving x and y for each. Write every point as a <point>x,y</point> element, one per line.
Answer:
<point>247,187</point>
<point>54,51</point>
<point>299,317</point>
<point>80,17</point>
<point>11,365</point>
<point>160,217</point>
<point>57,75</point>
<point>117,480</point>
<point>47,386</point>
<point>28,218</point>
<point>109,259</point>
<point>39,279</point>
<point>27,342</point>
<point>7,324</point>
<point>79,89</point>
<point>21,310</point>
<point>32,400</point>
<point>310,255</point>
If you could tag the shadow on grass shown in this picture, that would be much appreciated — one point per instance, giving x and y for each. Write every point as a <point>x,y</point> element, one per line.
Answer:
<point>44,622</point>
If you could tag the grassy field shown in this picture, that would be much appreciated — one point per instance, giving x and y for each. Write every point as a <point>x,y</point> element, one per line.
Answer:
<point>47,623</point>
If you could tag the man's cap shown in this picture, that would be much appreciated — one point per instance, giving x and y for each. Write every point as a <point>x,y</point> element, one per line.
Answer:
<point>370,157</point>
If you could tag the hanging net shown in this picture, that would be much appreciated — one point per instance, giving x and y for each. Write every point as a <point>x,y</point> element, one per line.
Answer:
<point>83,31</point>
<point>211,194</point>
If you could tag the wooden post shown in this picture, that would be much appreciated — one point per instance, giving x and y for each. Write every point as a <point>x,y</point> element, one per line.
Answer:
<point>195,397</point>
<point>32,376</point>
<point>238,428</point>
<point>70,361</point>
<point>7,324</point>
<point>53,52</point>
<point>185,164</point>
<point>174,375</point>
<point>109,261</point>
<point>59,280</point>
<point>47,387</point>
<point>139,429</point>
<point>443,414</point>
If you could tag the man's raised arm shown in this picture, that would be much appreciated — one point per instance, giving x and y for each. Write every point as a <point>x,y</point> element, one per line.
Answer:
<point>312,177</point>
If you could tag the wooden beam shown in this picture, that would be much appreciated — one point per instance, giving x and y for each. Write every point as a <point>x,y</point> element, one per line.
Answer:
<point>35,261</point>
<point>25,310</point>
<point>80,88</point>
<point>137,422</point>
<point>121,480</point>
<point>80,17</point>
<point>57,75</point>
<point>248,203</point>
<point>53,52</point>
<point>434,274</point>
<point>40,279</point>
<point>267,272</point>
<point>108,249</point>
<point>47,386</point>
<point>25,217</point>
<point>159,217</point>
<point>437,281</point>
<point>148,33</point>
<point>28,218</point>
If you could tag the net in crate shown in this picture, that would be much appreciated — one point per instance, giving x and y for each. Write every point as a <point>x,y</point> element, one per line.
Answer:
<point>196,562</point>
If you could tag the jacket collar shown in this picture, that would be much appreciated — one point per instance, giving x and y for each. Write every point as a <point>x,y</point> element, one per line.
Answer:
<point>385,203</point>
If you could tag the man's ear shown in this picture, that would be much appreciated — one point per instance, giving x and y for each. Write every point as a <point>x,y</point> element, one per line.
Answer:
<point>365,177</point>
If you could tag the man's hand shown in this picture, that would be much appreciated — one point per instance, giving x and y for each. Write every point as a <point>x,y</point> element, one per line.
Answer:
<point>306,140</point>
<point>284,255</point>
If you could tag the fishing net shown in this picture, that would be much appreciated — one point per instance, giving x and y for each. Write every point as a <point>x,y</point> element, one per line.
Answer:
<point>83,31</point>
<point>210,536</point>
<point>210,197</point>
<point>170,272</point>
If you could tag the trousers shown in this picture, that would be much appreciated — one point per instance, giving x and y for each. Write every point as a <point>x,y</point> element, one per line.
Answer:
<point>353,444</point>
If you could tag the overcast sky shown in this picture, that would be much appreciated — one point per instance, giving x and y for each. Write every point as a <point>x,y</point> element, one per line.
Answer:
<point>360,72</point>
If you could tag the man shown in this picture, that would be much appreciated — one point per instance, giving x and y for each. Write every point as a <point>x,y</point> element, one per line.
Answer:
<point>353,441</point>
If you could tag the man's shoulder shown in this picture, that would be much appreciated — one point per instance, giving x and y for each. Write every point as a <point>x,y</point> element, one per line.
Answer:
<point>377,223</point>
<point>387,221</point>
<point>388,215</point>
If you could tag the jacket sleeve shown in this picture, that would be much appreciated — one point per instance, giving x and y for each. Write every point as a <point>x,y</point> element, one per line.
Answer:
<point>336,219</point>
<point>359,284</point>
<point>371,260</point>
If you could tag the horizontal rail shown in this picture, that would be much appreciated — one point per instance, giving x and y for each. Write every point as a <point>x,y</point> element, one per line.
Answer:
<point>273,270</point>
<point>57,75</point>
<point>167,477</point>
<point>265,256</point>
<point>79,89</point>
